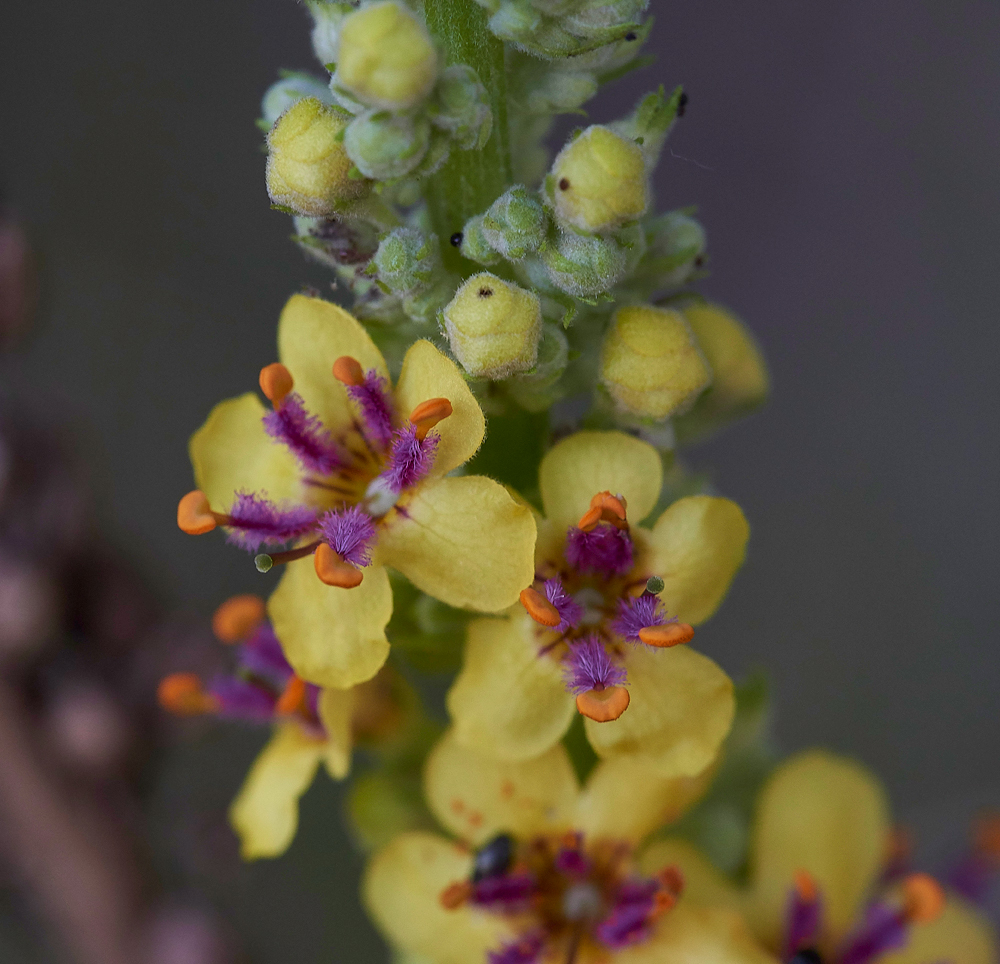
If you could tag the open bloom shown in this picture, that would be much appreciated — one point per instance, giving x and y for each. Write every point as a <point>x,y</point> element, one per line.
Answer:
<point>311,725</point>
<point>544,871</point>
<point>353,473</point>
<point>601,622</point>
<point>821,891</point>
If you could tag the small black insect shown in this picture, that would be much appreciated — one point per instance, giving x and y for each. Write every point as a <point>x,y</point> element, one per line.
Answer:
<point>494,858</point>
<point>456,239</point>
<point>631,35</point>
<point>563,184</point>
<point>682,103</point>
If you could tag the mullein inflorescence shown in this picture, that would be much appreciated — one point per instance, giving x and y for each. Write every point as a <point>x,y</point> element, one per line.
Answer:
<point>476,471</point>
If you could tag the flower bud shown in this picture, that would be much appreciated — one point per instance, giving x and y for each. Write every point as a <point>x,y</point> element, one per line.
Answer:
<point>585,266</point>
<point>515,224</point>
<point>386,146</point>
<point>650,363</point>
<point>287,91</point>
<point>537,390</point>
<point>385,57</point>
<point>676,244</point>
<point>407,260</point>
<point>740,381</point>
<point>308,169</point>
<point>547,90</point>
<point>493,327</point>
<point>604,13</point>
<point>650,123</point>
<point>327,16</point>
<point>462,107</point>
<point>598,181</point>
<point>474,245</point>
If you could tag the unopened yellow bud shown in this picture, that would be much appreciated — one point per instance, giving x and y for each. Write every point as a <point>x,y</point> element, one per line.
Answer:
<point>650,363</point>
<point>493,327</point>
<point>386,57</point>
<point>598,181</point>
<point>307,166</point>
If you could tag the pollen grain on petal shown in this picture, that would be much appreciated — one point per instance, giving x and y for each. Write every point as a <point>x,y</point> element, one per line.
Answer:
<point>194,516</point>
<point>333,571</point>
<point>605,705</point>
<point>276,382</point>
<point>539,608</point>
<point>237,617</point>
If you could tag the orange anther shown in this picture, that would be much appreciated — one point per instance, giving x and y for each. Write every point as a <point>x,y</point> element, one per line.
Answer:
<point>899,846</point>
<point>662,902</point>
<point>805,887</point>
<point>539,608</point>
<point>988,836</point>
<point>427,414</point>
<point>456,894</point>
<point>589,519</point>
<point>181,693</point>
<point>669,634</point>
<point>604,507</point>
<point>276,382</point>
<point>292,697</point>
<point>349,371</point>
<point>237,618</point>
<point>923,898</point>
<point>332,570</point>
<point>672,880</point>
<point>194,516</point>
<point>603,705</point>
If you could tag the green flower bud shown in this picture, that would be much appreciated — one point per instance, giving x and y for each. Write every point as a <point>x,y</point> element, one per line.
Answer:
<point>542,88</point>
<point>598,181</point>
<point>292,87</point>
<point>386,146</point>
<point>385,57</point>
<point>676,243</point>
<point>650,123</point>
<point>407,260</point>
<point>585,266</point>
<point>740,380</point>
<point>515,224</point>
<point>308,169</point>
<point>462,107</point>
<point>650,362</point>
<point>475,247</point>
<point>493,327</point>
<point>518,22</point>
<point>425,303</point>
<point>602,14</point>
<point>327,18</point>
<point>536,390</point>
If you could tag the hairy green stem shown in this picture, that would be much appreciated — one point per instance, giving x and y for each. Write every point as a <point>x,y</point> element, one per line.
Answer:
<point>470,180</point>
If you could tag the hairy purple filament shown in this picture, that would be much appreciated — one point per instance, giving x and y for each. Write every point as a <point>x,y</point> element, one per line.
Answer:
<point>638,612</point>
<point>606,550</point>
<point>305,436</point>
<point>587,666</point>
<point>570,611</point>
<point>525,950</point>
<point>507,894</point>
<point>629,920</point>
<point>255,522</point>
<point>802,922</point>
<point>883,929</point>
<point>350,533</point>
<point>410,459</point>
<point>372,397</point>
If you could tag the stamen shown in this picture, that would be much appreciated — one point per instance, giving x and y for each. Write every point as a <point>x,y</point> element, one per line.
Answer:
<point>348,371</point>
<point>803,914</point>
<point>410,458</point>
<point>350,533</point>
<point>194,515</point>
<point>305,436</point>
<point>253,521</point>
<point>237,618</point>
<point>507,893</point>
<point>292,698</point>
<point>243,699</point>
<point>570,611</point>
<point>182,694</point>
<point>923,898</point>
<point>605,705</point>
<point>525,950</point>
<point>805,887</point>
<point>588,667</point>
<point>636,613</point>
<point>605,549</point>
<point>427,414</point>
<point>276,382</point>
<point>539,608</point>
<point>333,571</point>
<point>604,507</point>
<point>456,894</point>
<point>670,634</point>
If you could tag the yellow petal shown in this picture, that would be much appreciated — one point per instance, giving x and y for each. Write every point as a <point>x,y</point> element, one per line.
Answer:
<point>697,935</point>
<point>704,884</point>
<point>680,711</point>
<point>476,796</point>
<point>401,891</point>
<point>696,547</point>
<point>464,541</point>
<point>586,463</point>
<point>826,815</point>
<point>312,335</point>
<point>265,813</point>
<point>428,374</point>
<point>508,701</point>
<point>332,637</point>
<point>961,935</point>
<point>232,452</point>
<point>626,800</point>
<point>335,710</point>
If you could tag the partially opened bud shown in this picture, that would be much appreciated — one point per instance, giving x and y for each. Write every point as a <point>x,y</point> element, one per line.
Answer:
<point>462,107</point>
<point>676,246</point>
<point>385,57</point>
<point>407,259</point>
<point>386,146</point>
<point>289,90</point>
<point>650,363</point>
<point>474,244</point>
<point>598,181</point>
<point>493,327</point>
<point>515,223</point>
<point>308,169</point>
<point>585,265</point>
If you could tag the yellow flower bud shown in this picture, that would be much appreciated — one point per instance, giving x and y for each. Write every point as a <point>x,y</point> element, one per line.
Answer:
<point>307,166</point>
<point>598,181</point>
<point>650,363</point>
<point>386,57</point>
<point>493,326</point>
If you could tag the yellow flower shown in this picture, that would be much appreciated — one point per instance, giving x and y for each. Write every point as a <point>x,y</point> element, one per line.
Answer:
<point>339,470</point>
<point>552,876</point>
<point>312,726</point>
<point>609,604</point>
<point>818,883</point>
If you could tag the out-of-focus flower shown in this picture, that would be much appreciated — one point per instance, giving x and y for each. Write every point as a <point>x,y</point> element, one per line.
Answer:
<point>311,725</point>
<point>550,874</point>
<point>609,604</point>
<point>818,889</point>
<point>339,470</point>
